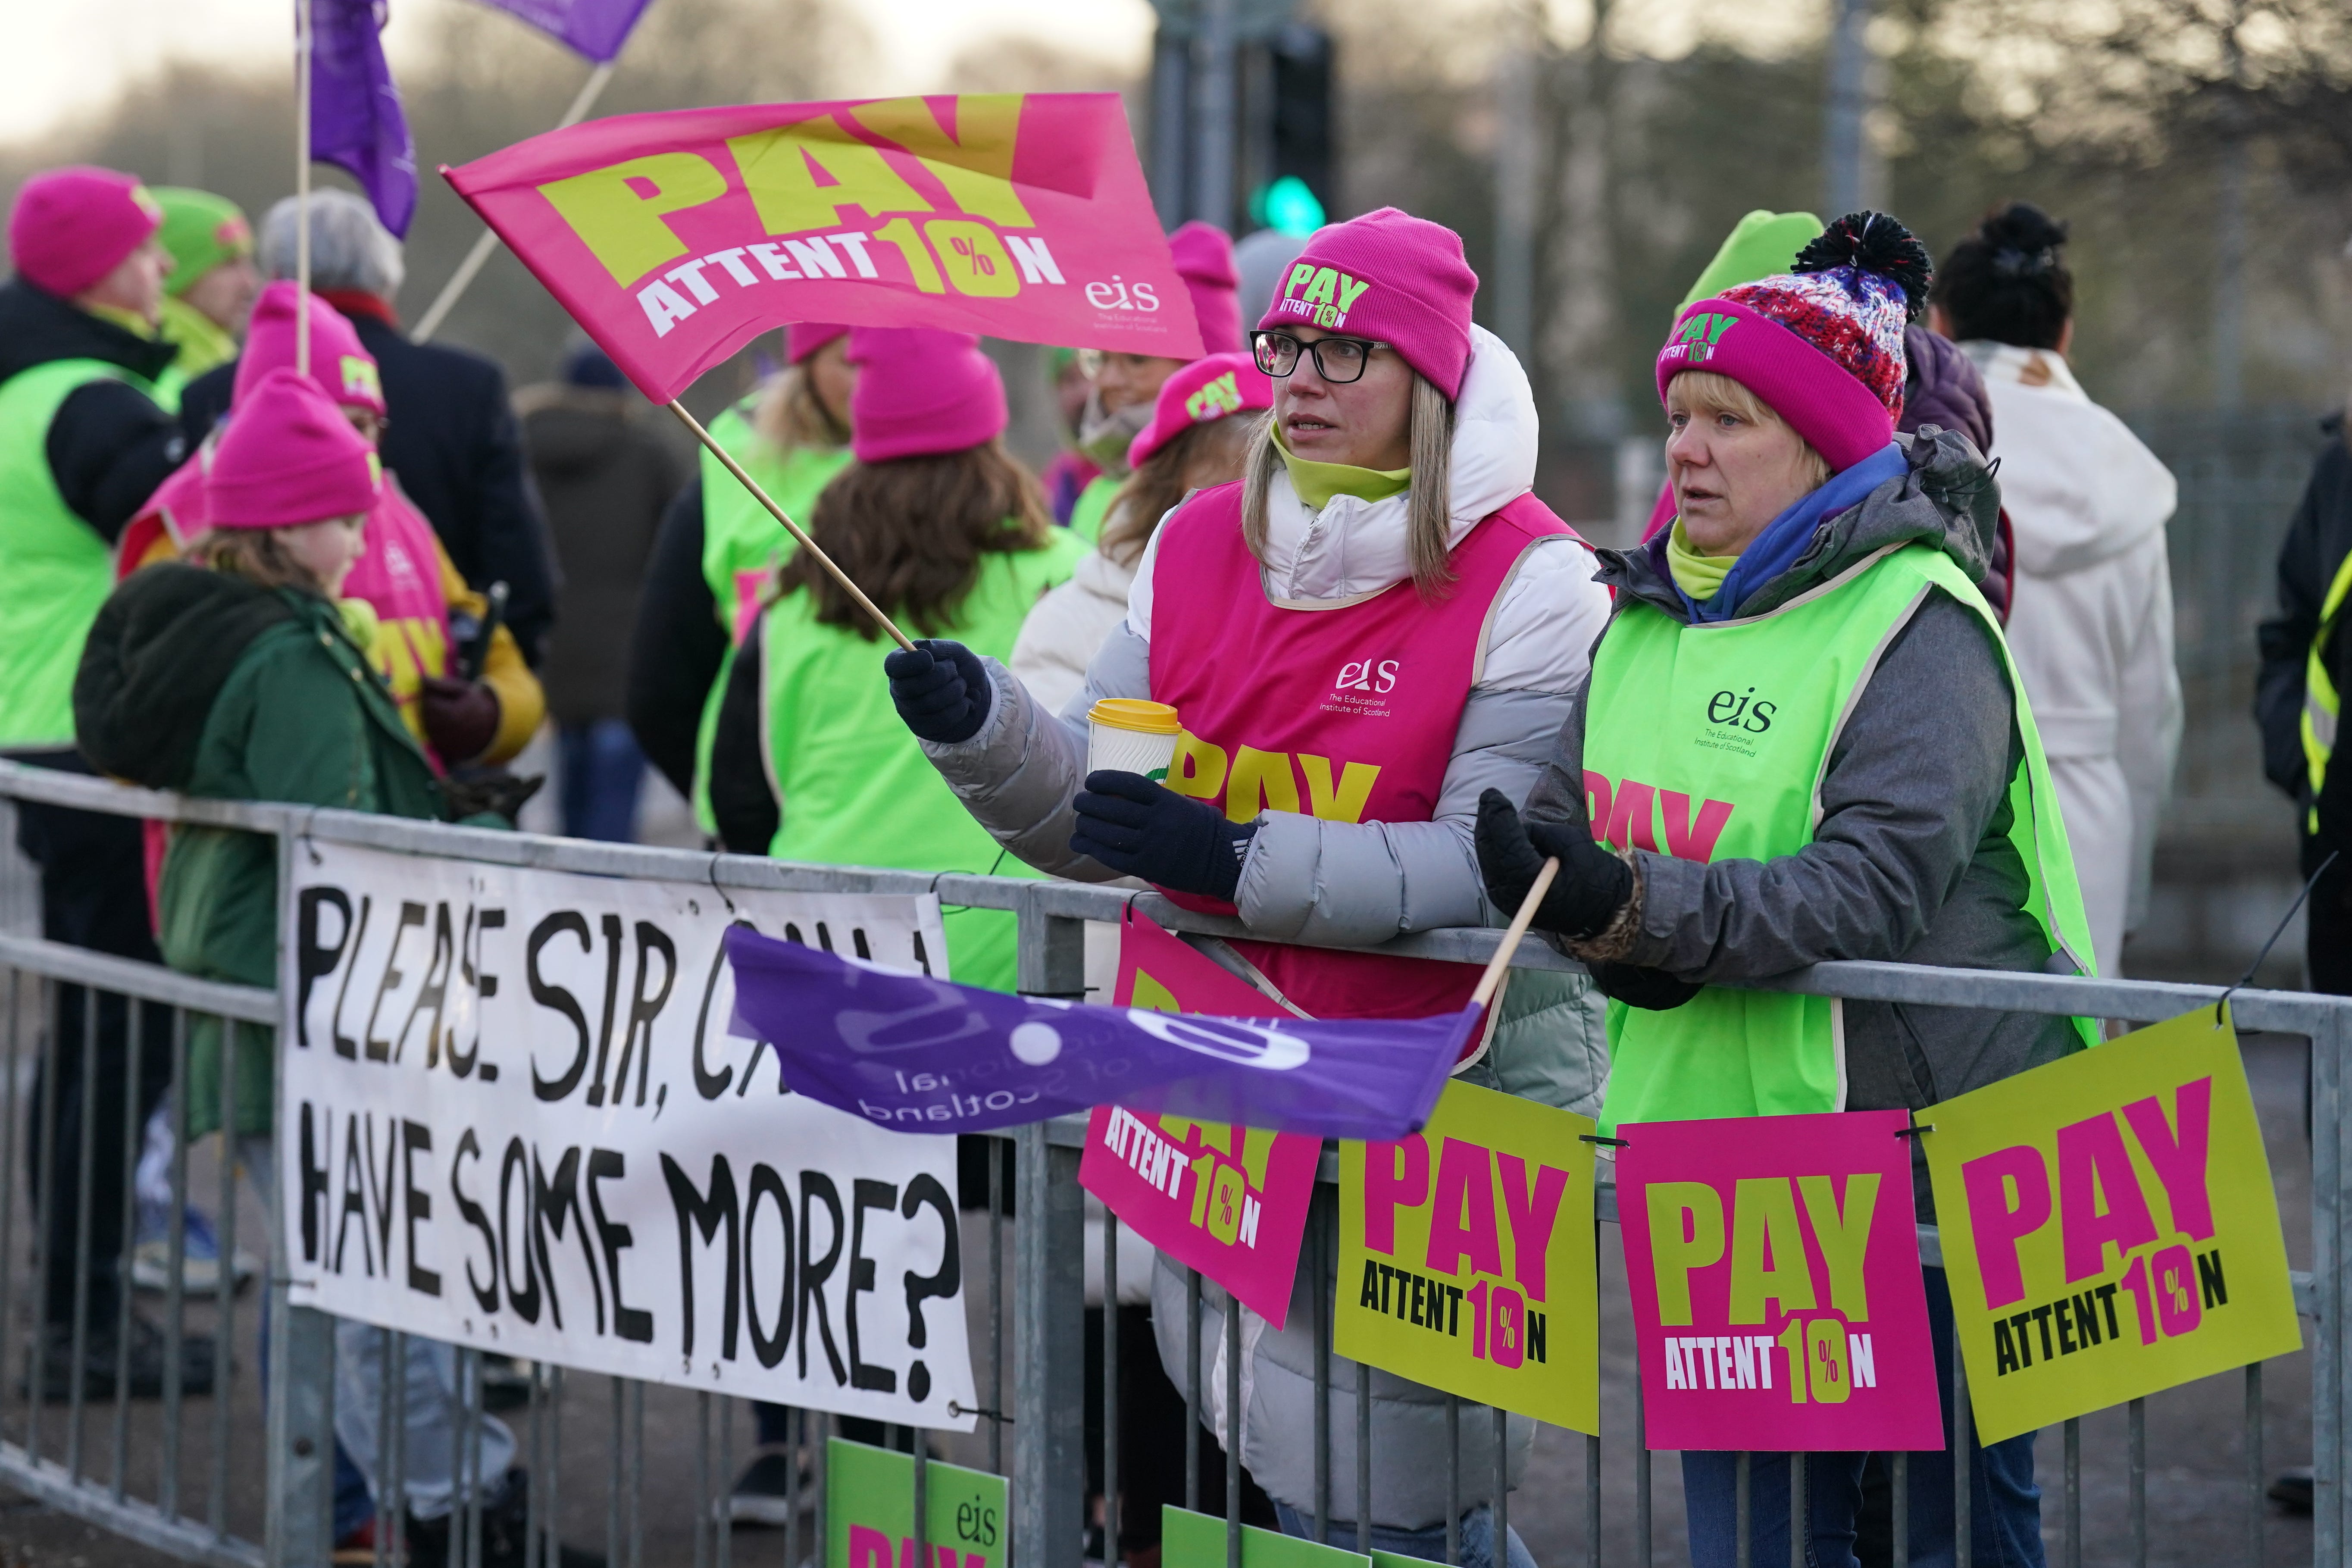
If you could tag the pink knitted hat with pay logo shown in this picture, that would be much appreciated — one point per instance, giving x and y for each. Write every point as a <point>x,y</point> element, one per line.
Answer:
<point>1389,277</point>
<point>1202,391</point>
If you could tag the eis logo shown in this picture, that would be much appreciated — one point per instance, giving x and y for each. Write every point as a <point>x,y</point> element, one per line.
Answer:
<point>1369,675</point>
<point>1115,295</point>
<point>1740,711</point>
<point>1319,296</point>
<point>1694,343</point>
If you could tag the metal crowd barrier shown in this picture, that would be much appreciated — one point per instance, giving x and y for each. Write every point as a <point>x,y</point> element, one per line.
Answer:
<point>172,1473</point>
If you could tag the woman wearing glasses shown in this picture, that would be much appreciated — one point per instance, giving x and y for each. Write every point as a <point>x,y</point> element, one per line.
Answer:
<point>1376,624</point>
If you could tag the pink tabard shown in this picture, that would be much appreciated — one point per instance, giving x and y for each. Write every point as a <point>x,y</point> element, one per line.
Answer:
<point>1346,713</point>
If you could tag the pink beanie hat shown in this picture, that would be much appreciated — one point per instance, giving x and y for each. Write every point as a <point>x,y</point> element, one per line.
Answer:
<point>1390,277</point>
<point>72,227</point>
<point>1206,390</point>
<point>1204,255</point>
<point>921,391</point>
<point>342,369</point>
<point>290,458</point>
<point>803,339</point>
<point>1822,343</point>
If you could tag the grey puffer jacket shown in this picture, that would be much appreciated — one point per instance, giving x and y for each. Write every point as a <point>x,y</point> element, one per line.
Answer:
<point>1911,860</point>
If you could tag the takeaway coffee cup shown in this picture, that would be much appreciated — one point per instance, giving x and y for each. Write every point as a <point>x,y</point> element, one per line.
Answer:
<point>1130,735</point>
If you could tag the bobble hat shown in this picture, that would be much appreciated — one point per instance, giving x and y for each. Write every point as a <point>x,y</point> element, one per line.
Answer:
<point>1204,255</point>
<point>72,227</point>
<point>803,339</point>
<point>340,366</point>
<point>1822,343</point>
<point>1201,393</point>
<point>1389,277</point>
<point>921,391</point>
<point>290,458</point>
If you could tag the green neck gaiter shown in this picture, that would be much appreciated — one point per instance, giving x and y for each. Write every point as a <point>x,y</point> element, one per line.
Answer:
<point>1698,576</point>
<point>1316,483</point>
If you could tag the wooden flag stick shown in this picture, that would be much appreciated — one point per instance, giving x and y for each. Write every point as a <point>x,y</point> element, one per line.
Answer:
<point>749,483</point>
<point>1501,962</point>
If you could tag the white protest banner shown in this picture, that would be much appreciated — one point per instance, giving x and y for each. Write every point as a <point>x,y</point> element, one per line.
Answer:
<point>514,1117</point>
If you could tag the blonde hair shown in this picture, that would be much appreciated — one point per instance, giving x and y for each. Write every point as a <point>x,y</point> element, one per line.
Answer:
<point>1711,392</point>
<point>790,416</point>
<point>257,555</point>
<point>1429,511</point>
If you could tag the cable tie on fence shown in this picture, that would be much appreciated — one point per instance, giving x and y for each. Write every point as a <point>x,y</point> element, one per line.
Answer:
<point>1913,1131</point>
<point>303,836</point>
<point>1596,1138</point>
<point>996,1415</point>
<point>2248,977</point>
<point>1078,995</point>
<point>710,875</point>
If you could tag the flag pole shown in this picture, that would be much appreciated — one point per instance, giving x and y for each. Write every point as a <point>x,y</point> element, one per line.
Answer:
<point>868,605</point>
<point>303,48</point>
<point>1501,962</point>
<point>463,278</point>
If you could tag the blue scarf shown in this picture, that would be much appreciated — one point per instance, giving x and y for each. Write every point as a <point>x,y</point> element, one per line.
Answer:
<point>1787,536</point>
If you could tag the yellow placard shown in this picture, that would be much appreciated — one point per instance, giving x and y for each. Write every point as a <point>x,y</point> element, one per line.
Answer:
<point>1467,1257</point>
<point>2108,1226</point>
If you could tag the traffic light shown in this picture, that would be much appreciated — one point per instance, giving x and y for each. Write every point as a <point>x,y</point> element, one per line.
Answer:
<point>1301,59</point>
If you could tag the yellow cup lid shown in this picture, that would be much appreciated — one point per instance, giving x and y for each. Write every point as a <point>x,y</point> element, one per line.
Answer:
<point>1134,713</point>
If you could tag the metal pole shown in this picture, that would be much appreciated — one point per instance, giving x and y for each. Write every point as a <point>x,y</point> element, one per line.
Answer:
<point>1049,1244</point>
<point>1171,106</point>
<point>1110,1388</point>
<point>2230,275</point>
<point>1213,120</point>
<point>1518,157</point>
<point>463,278</point>
<point>1846,158</point>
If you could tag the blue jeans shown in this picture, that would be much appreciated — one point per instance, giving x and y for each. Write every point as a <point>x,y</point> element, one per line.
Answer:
<point>2004,1512</point>
<point>602,772</point>
<point>1477,1538</point>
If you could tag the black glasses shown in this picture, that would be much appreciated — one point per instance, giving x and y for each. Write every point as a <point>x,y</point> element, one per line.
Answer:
<point>1337,360</point>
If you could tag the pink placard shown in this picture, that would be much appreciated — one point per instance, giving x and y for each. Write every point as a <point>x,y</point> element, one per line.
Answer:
<point>675,238</point>
<point>1774,1267</point>
<point>1228,1200</point>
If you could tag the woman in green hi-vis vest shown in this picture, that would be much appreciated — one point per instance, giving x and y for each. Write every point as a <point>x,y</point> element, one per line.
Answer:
<point>1804,740</point>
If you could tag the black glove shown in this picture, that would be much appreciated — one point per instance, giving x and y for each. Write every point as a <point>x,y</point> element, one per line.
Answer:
<point>499,793</point>
<point>1592,884</point>
<point>939,689</point>
<point>1652,989</point>
<point>461,717</point>
<point>1144,829</point>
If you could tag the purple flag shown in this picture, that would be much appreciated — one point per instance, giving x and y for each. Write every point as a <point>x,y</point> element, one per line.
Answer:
<point>919,1055</point>
<point>595,29</point>
<point>356,121</point>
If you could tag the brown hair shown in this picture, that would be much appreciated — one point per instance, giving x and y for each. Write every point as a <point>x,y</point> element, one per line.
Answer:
<point>1711,391</point>
<point>1429,520</point>
<point>790,416</point>
<point>1198,456</point>
<point>256,556</point>
<point>910,532</point>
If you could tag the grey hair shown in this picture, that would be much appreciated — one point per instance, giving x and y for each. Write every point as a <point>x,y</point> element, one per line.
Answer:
<point>349,249</point>
<point>1429,509</point>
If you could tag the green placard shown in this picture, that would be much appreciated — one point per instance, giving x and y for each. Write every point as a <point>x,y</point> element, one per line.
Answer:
<point>1189,1540</point>
<point>869,1510</point>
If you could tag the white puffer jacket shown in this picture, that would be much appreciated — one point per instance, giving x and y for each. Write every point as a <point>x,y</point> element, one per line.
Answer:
<point>1059,637</point>
<point>2090,621</point>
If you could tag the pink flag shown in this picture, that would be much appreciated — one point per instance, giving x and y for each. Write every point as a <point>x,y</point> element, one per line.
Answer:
<point>1774,1267</point>
<point>675,238</point>
<point>1228,1200</point>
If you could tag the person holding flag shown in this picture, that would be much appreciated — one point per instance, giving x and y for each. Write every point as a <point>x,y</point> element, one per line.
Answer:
<point>1126,386</point>
<point>1804,740</point>
<point>210,290</point>
<point>1378,622</point>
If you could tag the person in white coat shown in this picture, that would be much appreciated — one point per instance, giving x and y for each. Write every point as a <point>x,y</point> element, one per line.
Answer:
<point>2090,622</point>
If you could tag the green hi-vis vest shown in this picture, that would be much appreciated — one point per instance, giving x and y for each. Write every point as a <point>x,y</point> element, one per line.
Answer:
<point>1093,506</point>
<point>741,545</point>
<point>2321,702</point>
<point>1709,743</point>
<point>853,786</point>
<point>55,571</point>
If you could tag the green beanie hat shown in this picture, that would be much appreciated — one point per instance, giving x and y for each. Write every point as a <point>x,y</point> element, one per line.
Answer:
<point>200,230</point>
<point>1759,246</point>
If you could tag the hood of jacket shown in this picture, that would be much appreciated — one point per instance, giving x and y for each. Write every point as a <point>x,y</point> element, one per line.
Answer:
<point>2079,486</point>
<point>158,655</point>
<point>1353,547</point>
<point>1945,498</point>
<point>1942,386</point>
<point>37,328</point>
<point>567,431</point>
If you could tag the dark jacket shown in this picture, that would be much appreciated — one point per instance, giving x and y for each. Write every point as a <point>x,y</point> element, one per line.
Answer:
<point>1943,387</point>
<point>108,443</point>
<point>2317,542</point>
<point>198,681</point>
<point>678,646</point>
<point>1911,860</point>
<point>453,438</point>
<point>603,479</point>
